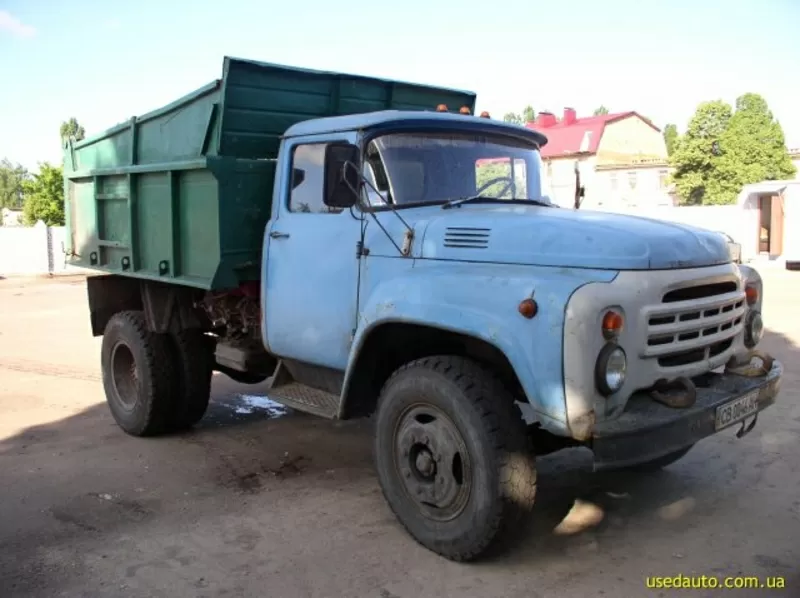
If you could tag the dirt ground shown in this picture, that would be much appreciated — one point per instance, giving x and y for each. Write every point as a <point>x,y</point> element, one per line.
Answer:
<point>256,503</point>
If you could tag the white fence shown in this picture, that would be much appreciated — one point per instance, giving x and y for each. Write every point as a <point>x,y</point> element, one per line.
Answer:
<point>39,249</point>
<point>735,220</point>
<point>33,250</point>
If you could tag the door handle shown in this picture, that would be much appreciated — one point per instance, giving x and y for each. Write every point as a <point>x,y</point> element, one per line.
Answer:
<point>278,235</point>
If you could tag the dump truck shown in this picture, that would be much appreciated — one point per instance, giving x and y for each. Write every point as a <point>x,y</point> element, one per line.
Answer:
<point>339,237</point>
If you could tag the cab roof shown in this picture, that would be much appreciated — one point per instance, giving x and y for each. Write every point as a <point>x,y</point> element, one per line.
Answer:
<point>388,118</point>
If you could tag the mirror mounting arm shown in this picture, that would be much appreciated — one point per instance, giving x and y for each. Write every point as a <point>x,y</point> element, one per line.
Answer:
<point>408,237</point>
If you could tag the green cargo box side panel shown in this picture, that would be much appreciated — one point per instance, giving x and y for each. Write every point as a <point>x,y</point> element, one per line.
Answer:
<point>184,193</point>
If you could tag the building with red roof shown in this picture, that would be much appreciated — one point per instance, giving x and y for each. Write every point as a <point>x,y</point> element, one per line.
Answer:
<point>621,158</point>
<point>570,135</point>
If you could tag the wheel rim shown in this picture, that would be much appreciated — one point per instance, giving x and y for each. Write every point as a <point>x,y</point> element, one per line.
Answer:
<point>125,376</point>
<point>432,462</point>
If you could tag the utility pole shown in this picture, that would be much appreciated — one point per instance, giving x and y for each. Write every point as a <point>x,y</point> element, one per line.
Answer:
<point>579,190</point>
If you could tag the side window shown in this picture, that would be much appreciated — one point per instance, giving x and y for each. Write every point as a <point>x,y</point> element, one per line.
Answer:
<point>372,197</point>
<point>487,170</point>
<point>308,176</point>
<point>521,178</point>
<point>375,173</point>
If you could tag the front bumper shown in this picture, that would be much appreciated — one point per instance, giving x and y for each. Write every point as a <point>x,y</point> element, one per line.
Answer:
<point>647,429</point>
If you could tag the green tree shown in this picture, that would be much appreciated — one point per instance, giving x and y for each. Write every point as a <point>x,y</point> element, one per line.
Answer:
<point>501,170</point>
<point>670,138</point>
<point>11,179</point>
<point>527,115</point>
<point>600,111</point>
<point>44,196</point>
<point>71,128</point>
<point>724,150</point>
<point>698,171</point>
<point>754,144</point>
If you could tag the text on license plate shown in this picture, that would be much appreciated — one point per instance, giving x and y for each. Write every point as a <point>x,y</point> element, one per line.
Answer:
<point>736,410</point>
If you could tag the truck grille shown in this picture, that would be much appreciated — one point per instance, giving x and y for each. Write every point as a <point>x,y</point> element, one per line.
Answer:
<point>694,323</point>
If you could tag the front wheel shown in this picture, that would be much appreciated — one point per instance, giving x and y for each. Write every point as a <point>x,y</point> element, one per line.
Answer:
<point>452,456</point>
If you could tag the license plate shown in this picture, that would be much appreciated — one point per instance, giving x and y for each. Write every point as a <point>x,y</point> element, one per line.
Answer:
<point>736,410</point>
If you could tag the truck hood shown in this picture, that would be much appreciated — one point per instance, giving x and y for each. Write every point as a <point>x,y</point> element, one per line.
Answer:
<point>544,236</point>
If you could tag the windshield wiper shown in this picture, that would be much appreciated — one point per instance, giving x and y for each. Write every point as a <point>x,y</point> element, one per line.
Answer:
<point>454,203</point>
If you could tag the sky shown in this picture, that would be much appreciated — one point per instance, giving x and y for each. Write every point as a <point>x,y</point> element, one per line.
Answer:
<point>103,63</point>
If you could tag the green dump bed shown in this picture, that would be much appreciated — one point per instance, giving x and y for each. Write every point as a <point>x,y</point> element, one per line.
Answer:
<point>183,193</point>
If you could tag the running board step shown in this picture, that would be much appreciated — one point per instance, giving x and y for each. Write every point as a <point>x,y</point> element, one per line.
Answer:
<point>304,398</point>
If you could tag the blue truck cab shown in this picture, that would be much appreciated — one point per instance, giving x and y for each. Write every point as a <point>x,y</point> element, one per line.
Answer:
<point>413,271</point>
<point>391,267</point>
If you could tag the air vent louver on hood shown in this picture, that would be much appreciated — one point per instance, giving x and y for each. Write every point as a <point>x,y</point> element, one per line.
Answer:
<point>467,237</point>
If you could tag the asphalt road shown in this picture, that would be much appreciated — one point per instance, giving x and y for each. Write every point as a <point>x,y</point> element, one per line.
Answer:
<point>259,502</point>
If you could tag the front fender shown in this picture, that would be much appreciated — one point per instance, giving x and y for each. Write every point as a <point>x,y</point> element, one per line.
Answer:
<point>481,300</point>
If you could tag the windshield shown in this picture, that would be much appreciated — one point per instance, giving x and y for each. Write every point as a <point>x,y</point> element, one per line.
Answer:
<point>420,168</point>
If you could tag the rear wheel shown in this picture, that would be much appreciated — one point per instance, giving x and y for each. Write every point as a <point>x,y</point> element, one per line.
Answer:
<point>137,374</point>
<point>452,456</point>
<point>193,356</point>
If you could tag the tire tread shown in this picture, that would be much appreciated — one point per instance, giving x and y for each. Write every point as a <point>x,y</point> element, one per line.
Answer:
<point>193,359</point>
<point>503,422</point>
<point>157,397</point>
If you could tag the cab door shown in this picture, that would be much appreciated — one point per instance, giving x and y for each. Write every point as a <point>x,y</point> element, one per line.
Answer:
<point>311,265</point>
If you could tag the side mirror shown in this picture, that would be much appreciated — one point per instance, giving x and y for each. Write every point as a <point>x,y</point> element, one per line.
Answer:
<point>342,178</point>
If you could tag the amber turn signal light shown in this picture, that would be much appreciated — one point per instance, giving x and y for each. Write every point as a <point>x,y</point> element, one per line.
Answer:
<point>612,324</point>
<point>751,294</point>
<point>528,308</point>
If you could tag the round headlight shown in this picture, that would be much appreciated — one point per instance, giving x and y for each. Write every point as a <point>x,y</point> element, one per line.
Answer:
<point>610,369</point>
<point>753,329</point>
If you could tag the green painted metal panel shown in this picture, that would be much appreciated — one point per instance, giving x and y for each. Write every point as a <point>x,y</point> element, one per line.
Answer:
<point>152,214</point>
<point>183,193</point>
